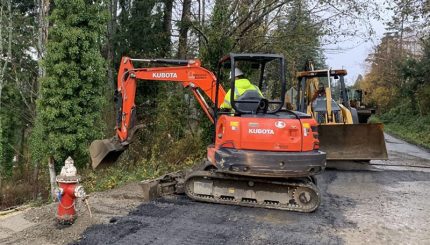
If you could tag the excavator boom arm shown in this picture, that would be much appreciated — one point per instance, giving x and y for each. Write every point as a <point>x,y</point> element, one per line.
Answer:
<point>189,73</point>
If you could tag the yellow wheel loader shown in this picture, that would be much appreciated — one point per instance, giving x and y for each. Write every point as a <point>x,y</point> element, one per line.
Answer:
<point>341,135</point>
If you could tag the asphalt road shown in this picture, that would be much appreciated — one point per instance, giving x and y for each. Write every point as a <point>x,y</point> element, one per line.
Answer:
<point>387,203</point>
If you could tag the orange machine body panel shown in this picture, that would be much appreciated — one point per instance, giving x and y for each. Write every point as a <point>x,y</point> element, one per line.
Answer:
<point>265,133</point>
<point>284,144</point>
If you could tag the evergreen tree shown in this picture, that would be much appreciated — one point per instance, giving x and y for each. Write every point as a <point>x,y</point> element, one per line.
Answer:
<point>417,88</point>
<point>18,81</point>
<point>71,96</point>
<point>144,31</point>
<point>298,38</point>
<point>140,30</point>
<point>218,42</point>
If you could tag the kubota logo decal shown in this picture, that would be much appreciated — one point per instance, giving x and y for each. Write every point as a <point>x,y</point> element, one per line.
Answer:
<point>260,131</point>
<point>280,124</point>
<point>164,75</point>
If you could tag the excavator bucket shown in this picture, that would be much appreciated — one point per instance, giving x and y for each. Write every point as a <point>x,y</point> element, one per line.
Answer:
<point>353,141</point>
<point>105,152</point>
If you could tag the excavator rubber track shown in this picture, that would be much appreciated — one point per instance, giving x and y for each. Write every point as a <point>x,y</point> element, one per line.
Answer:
<point>294,194</point>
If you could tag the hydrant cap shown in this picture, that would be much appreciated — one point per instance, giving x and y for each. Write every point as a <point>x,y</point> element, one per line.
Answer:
<point>69,160</point>
<point>69,169</point>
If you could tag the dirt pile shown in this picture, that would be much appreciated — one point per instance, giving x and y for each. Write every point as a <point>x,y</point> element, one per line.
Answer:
<point>104,206</point>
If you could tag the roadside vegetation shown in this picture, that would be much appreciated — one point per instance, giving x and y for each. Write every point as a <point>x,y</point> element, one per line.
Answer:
<point>398,83</point>
<point>58,75</point>
<point>183,154</point>
<point>414,129</point>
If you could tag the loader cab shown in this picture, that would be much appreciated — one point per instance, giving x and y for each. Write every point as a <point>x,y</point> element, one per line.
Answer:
<point>265,71</point>
<point>332,81</point>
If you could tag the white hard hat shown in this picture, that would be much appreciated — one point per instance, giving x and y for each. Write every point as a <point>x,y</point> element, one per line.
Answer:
<point>237,72</point>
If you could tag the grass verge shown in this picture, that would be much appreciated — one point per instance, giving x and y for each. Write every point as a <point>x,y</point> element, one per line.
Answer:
<point>412,128</point>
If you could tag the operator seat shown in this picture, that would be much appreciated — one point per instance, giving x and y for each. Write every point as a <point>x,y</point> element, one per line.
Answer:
<point>249,95</point>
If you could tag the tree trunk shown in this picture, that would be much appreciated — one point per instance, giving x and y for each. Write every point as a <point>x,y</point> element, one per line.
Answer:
<point>202,13</point>
<point>43,32</point>
<point>42,39</point>
<point>183,29</point>
<point>36,181</point>
<point>6,60</point>
<point>111,30</point>
<point>52,175</point>
<point>167,26</point>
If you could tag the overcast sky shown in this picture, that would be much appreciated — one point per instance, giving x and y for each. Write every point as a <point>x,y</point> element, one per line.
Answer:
<point>353,58</point>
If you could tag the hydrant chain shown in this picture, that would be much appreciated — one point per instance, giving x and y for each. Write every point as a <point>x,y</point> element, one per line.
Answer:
<point>69,207</point>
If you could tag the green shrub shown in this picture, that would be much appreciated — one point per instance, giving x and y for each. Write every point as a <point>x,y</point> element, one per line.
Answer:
<point>401,121</point>
<point>374,119</point>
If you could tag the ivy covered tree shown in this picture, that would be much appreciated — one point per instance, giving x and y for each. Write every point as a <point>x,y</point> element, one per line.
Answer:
<point>71,93</point>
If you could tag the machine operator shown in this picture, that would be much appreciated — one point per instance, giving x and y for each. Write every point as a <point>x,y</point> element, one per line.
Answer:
<point>241,86</point>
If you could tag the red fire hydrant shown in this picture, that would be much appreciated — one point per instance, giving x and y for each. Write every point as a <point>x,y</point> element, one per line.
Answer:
<point>68,191</point>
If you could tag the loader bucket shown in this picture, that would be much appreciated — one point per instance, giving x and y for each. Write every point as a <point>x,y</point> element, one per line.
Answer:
<point>353,141</point>
<point>105,152</point>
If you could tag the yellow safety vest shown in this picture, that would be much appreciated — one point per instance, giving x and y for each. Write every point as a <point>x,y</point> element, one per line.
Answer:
<point>240,87</point>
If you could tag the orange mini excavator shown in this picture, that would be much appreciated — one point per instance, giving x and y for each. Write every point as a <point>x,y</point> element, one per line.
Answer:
<point>262,156</point>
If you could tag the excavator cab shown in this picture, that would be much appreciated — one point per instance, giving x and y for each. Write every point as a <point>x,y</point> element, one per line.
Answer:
<point>265,72</point>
